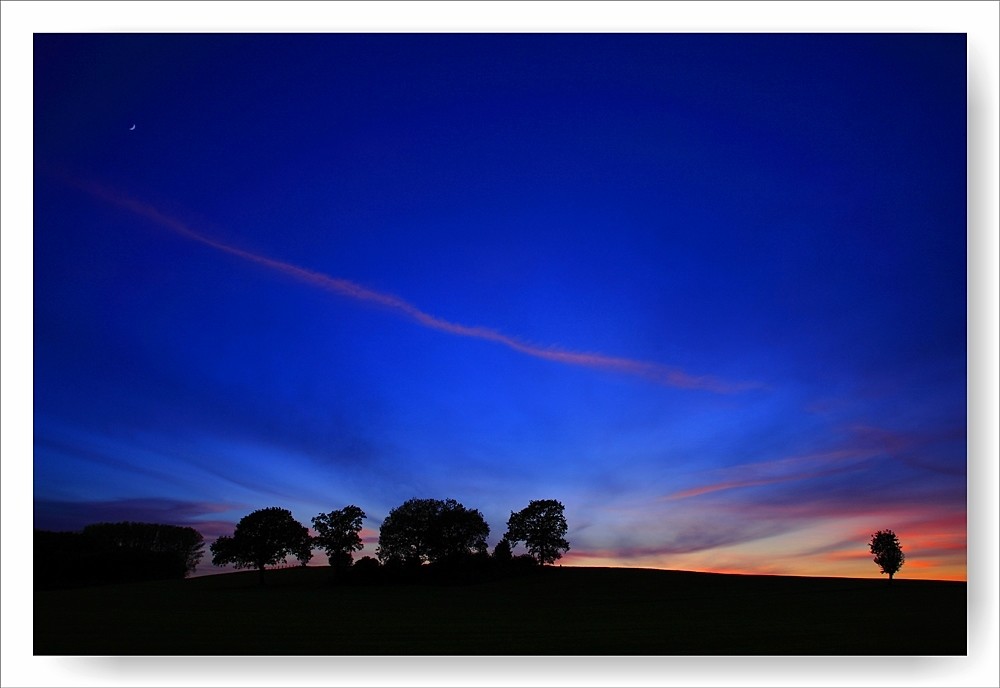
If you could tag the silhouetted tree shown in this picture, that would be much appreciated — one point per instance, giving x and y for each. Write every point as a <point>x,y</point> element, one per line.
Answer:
<point>262,538</point>
<point>888,553</point>
<point>458,532</point>
<point>155,550</point>
<point>405,533</point>
<point>304,551</point>
<point>501,552</point>
<point>430,530</point>
<point>124,552</point>
<point>338,534</point>
<point>542,527</point>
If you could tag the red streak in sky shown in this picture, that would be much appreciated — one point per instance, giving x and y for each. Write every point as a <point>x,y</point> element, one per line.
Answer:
<point>655,372</point>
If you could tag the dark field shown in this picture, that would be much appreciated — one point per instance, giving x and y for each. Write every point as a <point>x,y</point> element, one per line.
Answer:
<point>556,611</point>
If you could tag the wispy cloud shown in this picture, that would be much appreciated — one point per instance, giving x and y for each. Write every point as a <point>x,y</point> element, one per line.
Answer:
<point>654,372</point>
<point>779,471</point>
<point>728,540</point>
<point>685,538</point>
<point>940,450</point>
<point>915,449</point>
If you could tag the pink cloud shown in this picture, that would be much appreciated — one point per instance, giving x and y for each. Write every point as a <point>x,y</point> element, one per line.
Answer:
<point>654,372</point>
<point>779,471</point>
<point>212,530</point>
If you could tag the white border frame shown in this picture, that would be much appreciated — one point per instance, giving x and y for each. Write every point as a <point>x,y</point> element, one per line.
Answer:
<point>979,20</point>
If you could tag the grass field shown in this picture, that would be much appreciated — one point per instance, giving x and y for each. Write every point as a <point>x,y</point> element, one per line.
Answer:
<point>555,611</point>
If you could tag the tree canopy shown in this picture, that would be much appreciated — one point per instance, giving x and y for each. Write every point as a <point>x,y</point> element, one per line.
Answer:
<point>542,527</point>
<point>431,530</point>
<point>179,548</point>
<point>501,552</point>
<point>263,538</point>
<point>338,533</point>
<point>115,553</point>
<point>888,552</point>
<point>442,532</point>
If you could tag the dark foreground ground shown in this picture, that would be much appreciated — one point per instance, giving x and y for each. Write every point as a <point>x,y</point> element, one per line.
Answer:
<point>556,611</point>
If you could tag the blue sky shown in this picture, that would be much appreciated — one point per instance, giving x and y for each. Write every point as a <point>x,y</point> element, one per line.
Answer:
<point>709,291</point>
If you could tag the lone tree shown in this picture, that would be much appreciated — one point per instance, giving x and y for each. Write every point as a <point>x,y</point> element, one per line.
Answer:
<point>431,530</point>
<point>888,553</point>
<point>263,538</point>
<point>338,534</point>
<point>542,527</point>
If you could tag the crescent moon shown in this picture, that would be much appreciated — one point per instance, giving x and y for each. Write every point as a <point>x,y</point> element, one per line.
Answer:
<point>132,128</point>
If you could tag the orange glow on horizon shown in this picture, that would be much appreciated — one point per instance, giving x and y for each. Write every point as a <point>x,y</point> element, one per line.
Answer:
<point>858,567</point>
<point>938,552</point>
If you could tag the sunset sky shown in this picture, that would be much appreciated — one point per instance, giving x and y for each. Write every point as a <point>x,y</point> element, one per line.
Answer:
<point>708,291</point>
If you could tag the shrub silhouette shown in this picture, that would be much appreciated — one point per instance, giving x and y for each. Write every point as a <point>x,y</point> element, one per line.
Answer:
<point>366,568</point>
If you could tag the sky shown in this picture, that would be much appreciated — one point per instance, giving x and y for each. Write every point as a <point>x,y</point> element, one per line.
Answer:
<point>708,291</point>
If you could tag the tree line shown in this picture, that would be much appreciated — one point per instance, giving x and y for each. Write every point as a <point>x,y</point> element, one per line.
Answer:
<point>125,552</point>
<point>442,533</point>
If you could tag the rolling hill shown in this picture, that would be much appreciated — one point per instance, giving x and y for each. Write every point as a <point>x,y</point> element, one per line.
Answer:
<point>554,611</point>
